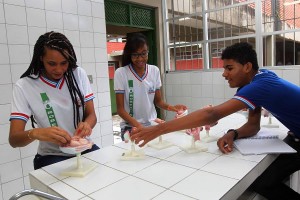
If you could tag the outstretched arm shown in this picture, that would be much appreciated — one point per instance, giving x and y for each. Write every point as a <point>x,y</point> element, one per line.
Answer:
<point>200,117</point>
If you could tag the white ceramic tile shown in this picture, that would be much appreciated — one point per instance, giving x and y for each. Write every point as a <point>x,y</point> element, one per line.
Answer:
<point>5,114</point>
<point>19,54</point>
<point>218,91</point>
<point>36,17</point>
<point>3,38</point>
<point>131,167</point>
<point>218,78</point>
<point>86,23</point>
<point>27,165</point>
<point>92,182</point>
<point>107,154</point>
<point>1,193</point>
<point>86,198</point>
<point>7,90</point>
<point>203,185</point>
<point>15,2</point>
<point>73,36</point>
<point>11,171</point>
<point>54,20</point>
<point>207,91</point>
<point>35,4</point>
<point>155,172</point>
<point>65,191</point>
<point>5,75</point>
<point>17,34</point>
<point>17,70</point>
<point>4,58</point>
<point>15,14</point>
<point>78,54</point>
<point>87,55</point>
<point>42,176</point>
<point>70,22</point>
<point>101,55</point>
<point>2,19</point>
<point>54,5</point>
<point>69,6</point>
<point>102,70</point>
<point>34,33</point>
<point>232,167</point>
<point>26,182</point>
<point>98,10</point>
<point>4,133</point>
<point>103,85</point>
<point>105,100</point>
<point>291,76</point>
<point>100,40</point>
<point>107,140</point>
<point>172,195</point>
<point>8,154</point>
<point>99,25</point>
<point>84,7</point>
<point>207,78</point>
<point>162,153</point>
<point>86,39</point>
<point>66,165</point>
<point>128,188</point>
<point>106,128</point>
<point>11,188</point>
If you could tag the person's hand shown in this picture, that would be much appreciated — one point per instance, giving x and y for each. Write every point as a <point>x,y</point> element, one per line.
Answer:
<point>143,135</point>
<point>179,107</point>
<point>52,134</point>
<point>225,143</point>
<point>83,130</point>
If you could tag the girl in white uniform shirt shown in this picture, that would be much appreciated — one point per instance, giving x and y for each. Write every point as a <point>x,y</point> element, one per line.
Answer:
<point>56,94</point>
<point>137,86</point>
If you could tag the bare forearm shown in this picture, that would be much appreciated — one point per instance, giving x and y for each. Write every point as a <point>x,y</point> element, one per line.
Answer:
<point>125,116</point>
<point>21,138</point>
<point>194,119</point>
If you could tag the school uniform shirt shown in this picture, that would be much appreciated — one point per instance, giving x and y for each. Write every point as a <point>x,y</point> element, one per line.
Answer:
<point>278,96</point>
<point>27,101</point>
<point>143,92</point>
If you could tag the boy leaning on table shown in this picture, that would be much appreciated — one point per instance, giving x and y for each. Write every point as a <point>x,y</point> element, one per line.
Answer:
<point>255,89</point>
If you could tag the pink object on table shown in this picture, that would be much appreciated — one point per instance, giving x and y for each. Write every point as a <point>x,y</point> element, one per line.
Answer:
<point>181,113</point>
<point>195,132</point>
<point>77,144</point>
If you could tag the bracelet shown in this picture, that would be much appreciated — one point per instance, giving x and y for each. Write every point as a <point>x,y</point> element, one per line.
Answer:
<point>28,134</point>
<point>236,133</point>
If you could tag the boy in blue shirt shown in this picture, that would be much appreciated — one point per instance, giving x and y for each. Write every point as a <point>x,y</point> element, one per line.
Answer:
<point>256,89</point>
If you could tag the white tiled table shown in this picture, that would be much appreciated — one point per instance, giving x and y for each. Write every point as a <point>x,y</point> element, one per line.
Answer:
<point>163,174</point>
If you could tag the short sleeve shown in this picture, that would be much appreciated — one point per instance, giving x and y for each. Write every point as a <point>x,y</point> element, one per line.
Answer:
<point>119,86</point>
<point>20,108</point>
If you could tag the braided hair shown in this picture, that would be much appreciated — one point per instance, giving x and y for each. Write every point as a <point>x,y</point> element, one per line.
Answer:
<point>59,42</point>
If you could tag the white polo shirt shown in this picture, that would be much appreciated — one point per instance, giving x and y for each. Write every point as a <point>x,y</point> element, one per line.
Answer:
<point>27,101</point>
<point>143,90</point>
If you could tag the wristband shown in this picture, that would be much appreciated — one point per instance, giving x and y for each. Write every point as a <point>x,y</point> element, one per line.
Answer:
<point>236,133</point>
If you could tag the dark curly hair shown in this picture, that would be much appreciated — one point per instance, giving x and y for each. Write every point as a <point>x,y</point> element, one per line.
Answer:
<point>242,53</point>
<point>59,42</point>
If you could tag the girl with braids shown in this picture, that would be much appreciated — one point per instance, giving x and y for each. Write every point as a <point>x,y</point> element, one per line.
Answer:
<point>56,94</point>
<point>137,86</point>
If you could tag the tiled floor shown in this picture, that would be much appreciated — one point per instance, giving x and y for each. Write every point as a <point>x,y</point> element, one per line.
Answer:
<point>116,128</point>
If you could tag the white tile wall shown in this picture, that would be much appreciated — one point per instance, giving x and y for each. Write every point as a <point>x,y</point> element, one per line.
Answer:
<point>21,23</point>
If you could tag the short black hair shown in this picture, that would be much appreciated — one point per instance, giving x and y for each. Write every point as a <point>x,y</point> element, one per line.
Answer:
<point>242,53</point>
<point>133,43</point>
